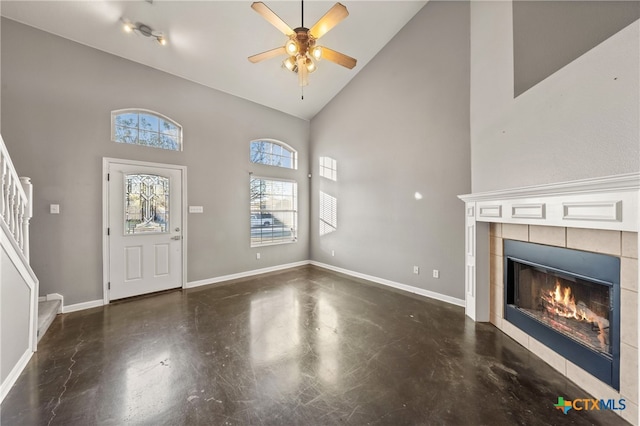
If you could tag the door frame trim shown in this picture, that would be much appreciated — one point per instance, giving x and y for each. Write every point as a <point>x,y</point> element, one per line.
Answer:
<point>106,162</point>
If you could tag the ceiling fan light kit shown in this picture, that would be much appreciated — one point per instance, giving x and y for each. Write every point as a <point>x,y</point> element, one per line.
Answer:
<point>301,48</point>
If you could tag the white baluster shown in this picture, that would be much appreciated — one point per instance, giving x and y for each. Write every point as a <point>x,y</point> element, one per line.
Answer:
<point>28,214</point>
<point>12,207</point>
<point>13,199</point>
<point>3,172</point>
<point>16,212</point>
<point>19,228</point>
<point>6,214</point>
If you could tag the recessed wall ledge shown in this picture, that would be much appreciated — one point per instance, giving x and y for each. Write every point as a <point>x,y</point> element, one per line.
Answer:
<point>609,202</point>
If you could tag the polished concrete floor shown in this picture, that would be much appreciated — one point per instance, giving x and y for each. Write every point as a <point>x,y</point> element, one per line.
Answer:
<point>300,347</point>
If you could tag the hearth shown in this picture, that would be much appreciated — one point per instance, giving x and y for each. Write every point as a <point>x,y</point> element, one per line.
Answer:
<point>569,300</point>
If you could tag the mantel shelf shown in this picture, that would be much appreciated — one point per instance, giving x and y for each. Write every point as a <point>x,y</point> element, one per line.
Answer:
<point>609,202</point>
<point>607,184</point>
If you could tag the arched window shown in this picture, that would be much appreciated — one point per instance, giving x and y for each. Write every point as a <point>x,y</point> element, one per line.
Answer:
<point>146,128</point>
<point>273,153</point>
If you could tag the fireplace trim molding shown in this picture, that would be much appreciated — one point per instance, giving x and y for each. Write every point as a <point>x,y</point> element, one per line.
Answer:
<point>609,203</point>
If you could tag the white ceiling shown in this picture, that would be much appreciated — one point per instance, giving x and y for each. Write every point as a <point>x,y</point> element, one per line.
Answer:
<point>209,41</point>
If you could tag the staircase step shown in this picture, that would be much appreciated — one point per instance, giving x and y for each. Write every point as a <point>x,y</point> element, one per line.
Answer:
<point>47,312</point>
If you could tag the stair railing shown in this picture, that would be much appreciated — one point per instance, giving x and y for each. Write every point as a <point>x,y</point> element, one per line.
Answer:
<point>16,207</point>
<point>16,195</point>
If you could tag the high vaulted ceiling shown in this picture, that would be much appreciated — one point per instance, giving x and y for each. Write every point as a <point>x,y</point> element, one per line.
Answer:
<point>209,41</point>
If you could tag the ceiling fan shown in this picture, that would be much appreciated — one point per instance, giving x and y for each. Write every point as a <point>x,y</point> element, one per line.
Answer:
<point>301,48</point>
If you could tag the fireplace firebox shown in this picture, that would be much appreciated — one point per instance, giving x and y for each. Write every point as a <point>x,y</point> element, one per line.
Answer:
<point>568,300</point>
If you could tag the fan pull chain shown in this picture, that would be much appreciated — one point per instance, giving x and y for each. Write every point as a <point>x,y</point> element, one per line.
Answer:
<point>302,26</point>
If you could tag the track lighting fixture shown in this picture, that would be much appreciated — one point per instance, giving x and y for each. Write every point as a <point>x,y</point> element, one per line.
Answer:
<point>144,30</point>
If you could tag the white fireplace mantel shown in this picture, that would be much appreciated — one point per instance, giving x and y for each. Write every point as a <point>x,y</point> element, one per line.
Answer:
<point>609,203</point>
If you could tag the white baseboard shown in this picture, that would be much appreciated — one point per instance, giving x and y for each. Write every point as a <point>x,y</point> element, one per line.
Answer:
<point>399,286</point>
<point>15,373</point>
<point>82,306</point>
<point>215,280</point>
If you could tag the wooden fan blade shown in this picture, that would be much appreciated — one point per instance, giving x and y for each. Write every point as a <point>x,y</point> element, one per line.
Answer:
<point>302,72</point>
<point>271,17</point>
<point>268,54</point>
<point>330,19</point>
<point>338,58</point>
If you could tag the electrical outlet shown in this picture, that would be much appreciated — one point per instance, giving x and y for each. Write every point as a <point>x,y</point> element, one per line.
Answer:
<point>258,256</point>
<point>436,273</point>
<point>333,252</point>
<point>416,270</point>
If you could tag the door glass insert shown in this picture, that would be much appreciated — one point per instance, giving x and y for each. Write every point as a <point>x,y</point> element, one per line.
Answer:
<point>146,204</point>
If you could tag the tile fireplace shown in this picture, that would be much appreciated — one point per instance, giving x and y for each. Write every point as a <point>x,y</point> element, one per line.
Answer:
<point>555,267</point>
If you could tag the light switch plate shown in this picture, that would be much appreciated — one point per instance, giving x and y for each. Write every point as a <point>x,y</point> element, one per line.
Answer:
<point>54,209</point>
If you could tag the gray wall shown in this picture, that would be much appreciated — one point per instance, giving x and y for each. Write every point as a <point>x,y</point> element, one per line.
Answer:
<point>401,126</point>
<point>580,122</point>
<point>15,299</point>
<point>547,35</point>
<point>57,97</point>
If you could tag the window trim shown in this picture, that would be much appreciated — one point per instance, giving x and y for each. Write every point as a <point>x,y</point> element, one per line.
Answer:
<point>294,152</point>
<point>294,238</point>
<point>138,111</point>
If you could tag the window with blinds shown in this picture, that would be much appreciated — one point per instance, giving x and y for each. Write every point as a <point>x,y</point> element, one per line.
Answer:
<point>273,211</point>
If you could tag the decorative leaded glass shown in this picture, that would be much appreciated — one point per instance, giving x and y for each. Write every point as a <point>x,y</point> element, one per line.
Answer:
<point>139,127</point>
<point>146,204</point>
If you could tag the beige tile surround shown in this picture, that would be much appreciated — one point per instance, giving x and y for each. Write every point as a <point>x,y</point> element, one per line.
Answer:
<point>616,243</point>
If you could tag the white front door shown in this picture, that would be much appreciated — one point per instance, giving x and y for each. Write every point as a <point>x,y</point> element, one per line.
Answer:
<point>145,244</point>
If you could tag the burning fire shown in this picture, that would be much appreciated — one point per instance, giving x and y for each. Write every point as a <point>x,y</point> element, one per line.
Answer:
<point>561,302</point>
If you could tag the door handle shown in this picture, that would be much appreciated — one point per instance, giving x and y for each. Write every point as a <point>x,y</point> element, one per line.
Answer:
<point>177,237</point>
